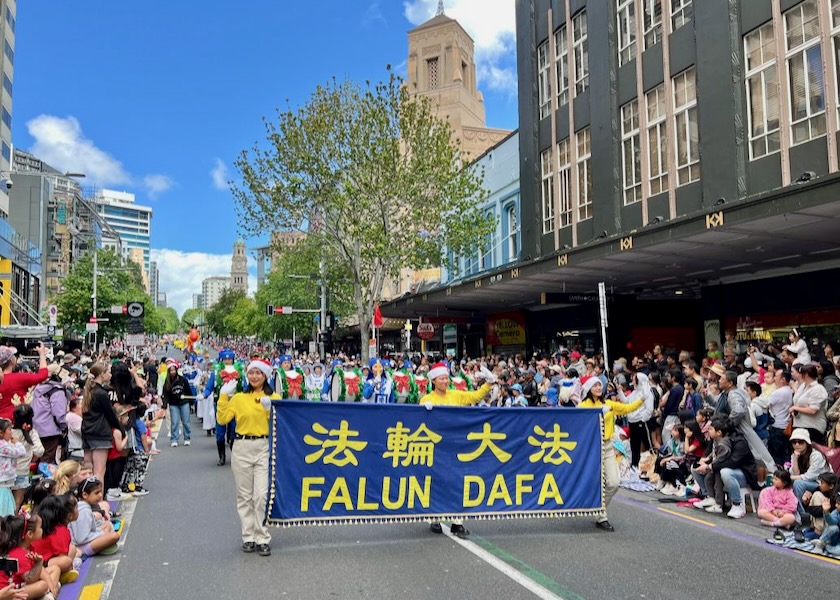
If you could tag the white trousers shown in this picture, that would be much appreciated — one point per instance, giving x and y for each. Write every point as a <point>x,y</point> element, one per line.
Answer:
<point>611,474</point>
<point>249,461</point>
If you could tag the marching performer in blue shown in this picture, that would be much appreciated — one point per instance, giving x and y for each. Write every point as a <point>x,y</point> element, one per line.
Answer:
<point>379,387</point>
<point>226,370</point>
<point>288,381</point>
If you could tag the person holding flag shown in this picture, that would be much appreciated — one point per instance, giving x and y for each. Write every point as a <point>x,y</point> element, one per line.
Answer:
<point>442,395</point>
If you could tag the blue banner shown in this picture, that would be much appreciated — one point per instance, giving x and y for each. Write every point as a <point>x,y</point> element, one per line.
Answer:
<point>357,463</point>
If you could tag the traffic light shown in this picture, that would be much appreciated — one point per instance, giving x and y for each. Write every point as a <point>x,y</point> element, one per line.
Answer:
<point>269,309</point>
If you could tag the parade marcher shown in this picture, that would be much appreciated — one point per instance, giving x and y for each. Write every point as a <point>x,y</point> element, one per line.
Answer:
<point>289,381</point>
<point>593,397</point>
<point>315,382</point>
<point>251,409</point>
<point>442,395</point>
<point>379,387</point>
<point>225,371</point>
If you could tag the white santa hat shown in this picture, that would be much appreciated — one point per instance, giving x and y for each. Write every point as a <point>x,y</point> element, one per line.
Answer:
<point>262,366</point>
<point>588,383</point>
<point>438,370</point>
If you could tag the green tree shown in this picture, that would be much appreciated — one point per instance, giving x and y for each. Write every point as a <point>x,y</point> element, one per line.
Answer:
<point>169,318</point>
<point>233,314</point>
<point>190,318</point>
<point>116,284</point>
<point>373,177</point>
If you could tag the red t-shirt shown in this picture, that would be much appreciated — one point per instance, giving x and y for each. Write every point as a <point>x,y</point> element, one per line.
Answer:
<point>24,564</point>
<point>17,384</point>
<point>54,544</point>
<point>113,452</point>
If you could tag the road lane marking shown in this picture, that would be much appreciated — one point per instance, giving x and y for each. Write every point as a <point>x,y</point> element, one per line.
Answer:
<point>682,516</point>
<point>91,592</point>
<point>532,580</point>
<point>827,559</point>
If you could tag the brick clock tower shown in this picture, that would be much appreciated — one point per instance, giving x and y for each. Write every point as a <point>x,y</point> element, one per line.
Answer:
<point>239,268</point>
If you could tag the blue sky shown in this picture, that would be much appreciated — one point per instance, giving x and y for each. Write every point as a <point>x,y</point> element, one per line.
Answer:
<point>158,98</point>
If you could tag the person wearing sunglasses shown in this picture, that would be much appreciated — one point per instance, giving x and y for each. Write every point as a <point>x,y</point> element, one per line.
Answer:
<point>806,465</point>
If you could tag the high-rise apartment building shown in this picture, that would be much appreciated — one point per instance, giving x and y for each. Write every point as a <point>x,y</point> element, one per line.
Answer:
<point>8,11</point>
<point>154,281</point>
<point>198,301</point>
<point>132,221</point>
<point>212,289</point>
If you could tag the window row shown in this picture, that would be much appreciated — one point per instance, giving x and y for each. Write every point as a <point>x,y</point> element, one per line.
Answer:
<point>790,67</point>
<point>563,72</point>
<point>651,11</point>
<point>566,202</point>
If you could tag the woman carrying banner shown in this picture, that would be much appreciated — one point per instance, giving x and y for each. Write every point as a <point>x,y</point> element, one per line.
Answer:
<point>251,409</point>
<point>442,395</point>
<point>593,397</point>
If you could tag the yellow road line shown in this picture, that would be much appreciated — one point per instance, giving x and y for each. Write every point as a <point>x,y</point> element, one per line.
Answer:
<point>682,516</point>
<point>827,559</point>
<point>92,592</point>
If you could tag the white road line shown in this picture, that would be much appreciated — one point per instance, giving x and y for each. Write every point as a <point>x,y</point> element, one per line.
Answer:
<point>504,568</point>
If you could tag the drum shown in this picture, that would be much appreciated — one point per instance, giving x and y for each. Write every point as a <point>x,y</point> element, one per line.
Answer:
<point>337,385</point>
<point>352,386</point>
<point>402,387</point>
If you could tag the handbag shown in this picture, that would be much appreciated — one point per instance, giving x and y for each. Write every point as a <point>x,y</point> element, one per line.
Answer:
<point>789,428</point>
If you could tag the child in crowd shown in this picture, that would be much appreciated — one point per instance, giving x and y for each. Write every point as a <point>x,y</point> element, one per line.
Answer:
<point>36,494</point>
<point>66,476</point>
<point>87,534</point>
<point>671,467</point>
<point>829,542</point>
<point>23,433</point>
<point>814,501</point>
<point>777,504</point>
<point>10,452</point>
<point>35,579</point>
<point>55,546</point>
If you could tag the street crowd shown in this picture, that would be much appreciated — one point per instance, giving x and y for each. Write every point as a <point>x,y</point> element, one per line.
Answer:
<point>75,436</point>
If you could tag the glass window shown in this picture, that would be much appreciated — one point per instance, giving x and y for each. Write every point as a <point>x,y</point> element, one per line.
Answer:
<point>581,50</point>
<point>7,84</point>
<point>7,50</point>
<point>681,13</point>
<point>543,80</point>
<point>631,152</point>
<point>561,65</point>
<point>657,141</point>
<point>805,72</point>
<point>512,233</point>
<point>584,174</point>
<point>7,152</point>
<point>7,118</point>
<point>564,175</point>
<point>652,22</point>
<point>762,91</point>
<point>835,40</point>
<point>685,127</point>
<point>10,19</point>
<point>547,192</point>
<point>626,18</point>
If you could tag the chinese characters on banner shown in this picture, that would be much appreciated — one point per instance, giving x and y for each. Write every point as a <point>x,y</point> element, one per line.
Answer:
<point>355,463</point>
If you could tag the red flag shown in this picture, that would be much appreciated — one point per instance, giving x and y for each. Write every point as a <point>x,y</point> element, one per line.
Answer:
<point>378,321</point>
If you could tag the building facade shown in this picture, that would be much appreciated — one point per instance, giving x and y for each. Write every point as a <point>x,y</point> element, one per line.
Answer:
<point>154,281</point>
<point>212,289</point>
<point>198,301</point>
<point>239,268</point>
<point>8,13</point>
<point>132,221</point>
<point>269,256</point>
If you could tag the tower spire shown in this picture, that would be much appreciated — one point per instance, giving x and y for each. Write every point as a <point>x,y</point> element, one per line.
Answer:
<point>440,8</point>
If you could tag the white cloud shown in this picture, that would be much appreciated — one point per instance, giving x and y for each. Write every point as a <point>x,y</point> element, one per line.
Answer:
<point>157,184</point>
<point>373,16</point>
<point>492,24</point>
<point>62,144</point>
<point>181,274</point>
<point>219,174</point>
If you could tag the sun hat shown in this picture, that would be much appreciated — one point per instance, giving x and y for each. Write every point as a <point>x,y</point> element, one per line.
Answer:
<point>800,433</point>
<point>718,369</point>
<point>6,354</point>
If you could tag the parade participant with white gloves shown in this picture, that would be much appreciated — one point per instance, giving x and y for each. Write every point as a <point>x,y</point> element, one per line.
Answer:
<point>227,369</point>
<point>251,409</point>
<point>442,395</point>
<point>593,397</point>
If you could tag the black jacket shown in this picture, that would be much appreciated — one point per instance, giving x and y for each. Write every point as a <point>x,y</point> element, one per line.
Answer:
<point>734,453</point>
<point>174,391</point>
<point>100,420</point>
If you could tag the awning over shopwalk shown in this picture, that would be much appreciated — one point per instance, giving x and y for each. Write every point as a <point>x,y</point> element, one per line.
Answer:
<point>778,233</point>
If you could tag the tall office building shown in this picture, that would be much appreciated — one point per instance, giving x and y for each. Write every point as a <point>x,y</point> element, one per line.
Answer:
<point>132,221</point>
<point>198,301</point>
<point>7,66</point>
<point>239,268</point>
<point>212,289</point>
<point>154,281</point>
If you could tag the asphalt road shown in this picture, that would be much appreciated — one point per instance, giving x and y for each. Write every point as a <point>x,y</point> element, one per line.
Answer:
<point>184,543</point>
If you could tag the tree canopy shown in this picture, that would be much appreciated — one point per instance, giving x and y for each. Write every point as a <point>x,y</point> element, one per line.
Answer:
<point>372,177</point>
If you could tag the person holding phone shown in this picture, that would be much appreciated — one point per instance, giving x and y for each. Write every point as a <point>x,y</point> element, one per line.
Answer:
<point>18,384</point>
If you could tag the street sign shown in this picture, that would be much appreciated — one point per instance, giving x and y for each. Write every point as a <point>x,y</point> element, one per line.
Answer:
<point>313,348</point>
<point>50,330</point>
<point>135,309</point>
<point>282,310</point>
<point>92,319</point>
<point>134,325</point>
<point>53,313</point>
<point>425,331</point>
<point>91,327</point>
<point>119,309</point>
<point>135,339</point>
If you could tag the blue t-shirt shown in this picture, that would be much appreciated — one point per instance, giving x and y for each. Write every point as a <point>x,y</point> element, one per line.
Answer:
<point>140,430</point>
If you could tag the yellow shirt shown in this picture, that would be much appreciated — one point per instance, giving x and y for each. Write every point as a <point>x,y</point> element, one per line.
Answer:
<point>457,397</point>
<point>246,408</point>
<point>617,409</point>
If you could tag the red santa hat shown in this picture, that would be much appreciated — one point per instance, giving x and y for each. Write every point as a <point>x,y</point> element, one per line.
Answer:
<point>438,370</point>
<point>588,382</point>
<point>262,365</point>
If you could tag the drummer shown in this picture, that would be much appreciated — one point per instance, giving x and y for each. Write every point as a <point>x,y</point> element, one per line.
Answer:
<point>379,386</point>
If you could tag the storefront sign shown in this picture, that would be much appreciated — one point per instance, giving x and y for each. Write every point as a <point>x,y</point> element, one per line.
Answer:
<point>506,329</point>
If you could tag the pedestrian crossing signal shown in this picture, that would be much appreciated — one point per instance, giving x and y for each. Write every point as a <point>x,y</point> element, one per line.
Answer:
<point>269,309</point>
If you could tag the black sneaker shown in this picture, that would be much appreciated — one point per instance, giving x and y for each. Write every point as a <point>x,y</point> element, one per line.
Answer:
<point>249,547</point>
<point>604,525</point>
<point>264,550</point>
<point>798,536</point>
<point>459,531</point>
<point>436,528</point>
<point>778,535</point>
